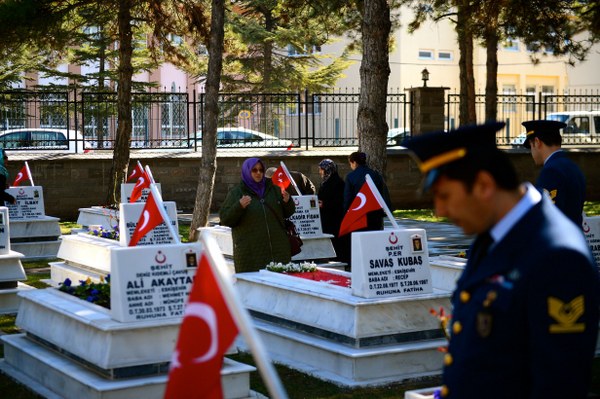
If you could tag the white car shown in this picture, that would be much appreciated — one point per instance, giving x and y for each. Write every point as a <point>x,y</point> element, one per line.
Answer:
<point>583,127</point>
<point>241,137</point>
<point>42,139</point>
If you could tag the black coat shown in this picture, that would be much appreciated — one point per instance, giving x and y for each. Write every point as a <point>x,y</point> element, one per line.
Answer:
<point>331,194</point>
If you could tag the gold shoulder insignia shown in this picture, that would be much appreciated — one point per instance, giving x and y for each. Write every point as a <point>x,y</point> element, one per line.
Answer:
<point>551,194</point>
<point>566,315</point>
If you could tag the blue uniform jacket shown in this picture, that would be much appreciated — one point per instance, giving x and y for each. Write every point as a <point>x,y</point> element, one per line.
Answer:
<point>565,183</point>
<point>525,320</point>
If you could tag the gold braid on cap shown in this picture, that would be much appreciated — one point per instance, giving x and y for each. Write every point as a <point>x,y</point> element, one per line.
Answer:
<point>442,159</point>
<point>530,132</point>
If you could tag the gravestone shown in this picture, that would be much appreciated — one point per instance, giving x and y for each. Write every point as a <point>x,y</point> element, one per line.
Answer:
<point>390,263</point>
<point>11,269</point>
<point>129,216</point>
<point>591,229</point>
<point>108,217</point>
<point>32,233</point>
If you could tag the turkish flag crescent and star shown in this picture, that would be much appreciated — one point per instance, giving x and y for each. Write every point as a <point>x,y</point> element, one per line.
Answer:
<point>280,178</point>
<point>136,172</point>
<point>207,331</point>
<point>21,176</point>
<point>142,183</point>
<point>356,216</point>
<point>149,219</point>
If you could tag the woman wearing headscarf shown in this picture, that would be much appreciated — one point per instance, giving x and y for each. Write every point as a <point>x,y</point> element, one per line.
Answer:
<point>4,196</point>
<point>255,210</point>
<point>331,204</point>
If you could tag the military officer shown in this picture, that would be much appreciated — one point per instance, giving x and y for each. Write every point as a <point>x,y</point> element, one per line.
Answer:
<point>560,177</point>
<point>525,309</point>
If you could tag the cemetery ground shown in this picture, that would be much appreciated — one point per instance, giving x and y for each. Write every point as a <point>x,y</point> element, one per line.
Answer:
<point>297,384</point>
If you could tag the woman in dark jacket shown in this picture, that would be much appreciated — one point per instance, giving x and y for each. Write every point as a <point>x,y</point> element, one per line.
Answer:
<point>255,210</point>
<point>331,204</point>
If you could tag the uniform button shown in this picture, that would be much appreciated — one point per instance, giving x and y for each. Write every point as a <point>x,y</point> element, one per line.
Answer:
<point>448,359</point>
<point>456,327</point>
<point>465,296</point>
<point>444,391</point>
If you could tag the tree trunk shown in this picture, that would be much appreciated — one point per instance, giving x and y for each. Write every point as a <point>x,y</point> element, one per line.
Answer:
<point>374,75</point>
<point>467,113</point>
<point>491,65</point>
<point>206,177</point>
<point>121,151</point>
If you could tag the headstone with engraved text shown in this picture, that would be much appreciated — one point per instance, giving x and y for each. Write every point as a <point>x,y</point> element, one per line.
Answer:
<point>307,217</point>
<point>390,263</point>
<point>29,203</point>
<point>129,217</point>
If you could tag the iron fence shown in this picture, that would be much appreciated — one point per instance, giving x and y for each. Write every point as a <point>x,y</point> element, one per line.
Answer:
<point>76,120</point>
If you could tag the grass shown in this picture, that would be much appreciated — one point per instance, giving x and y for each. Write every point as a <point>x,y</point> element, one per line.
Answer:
<point>298,385</point>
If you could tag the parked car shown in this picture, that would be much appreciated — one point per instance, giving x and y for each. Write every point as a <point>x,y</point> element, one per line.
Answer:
<point>583,127</point>
<point>241,137</point>
<point>42,139</point>
<point>396,136</point>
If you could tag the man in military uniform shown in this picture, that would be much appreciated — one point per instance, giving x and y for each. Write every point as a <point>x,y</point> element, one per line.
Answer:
<point>560,177</point>
<point>525,310</point>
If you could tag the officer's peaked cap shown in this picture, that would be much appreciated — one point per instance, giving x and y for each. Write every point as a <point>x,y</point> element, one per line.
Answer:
<point>541,128</point>
<point>432,151</point>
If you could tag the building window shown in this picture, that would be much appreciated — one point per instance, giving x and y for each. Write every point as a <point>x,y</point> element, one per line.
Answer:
<point>425,54</point>
<point>509,99</point>
<point>511,45</point>
<point>548,90</point>
<point>445,55</point>
<point>530,91</point>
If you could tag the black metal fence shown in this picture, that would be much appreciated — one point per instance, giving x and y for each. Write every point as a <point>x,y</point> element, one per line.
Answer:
<point>77,120</point>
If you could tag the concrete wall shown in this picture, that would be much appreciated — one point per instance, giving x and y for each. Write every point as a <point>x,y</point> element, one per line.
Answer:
<point>71,182</point>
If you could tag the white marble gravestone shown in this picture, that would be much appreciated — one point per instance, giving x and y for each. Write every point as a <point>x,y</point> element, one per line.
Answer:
<point>390,263</point>
<point>129,217</point>
<point>32,233</point>
<point>107,217</point>
<point>591,229</point>
<point>11,269</point>
<point>117,353</point>
<point>127,189</point>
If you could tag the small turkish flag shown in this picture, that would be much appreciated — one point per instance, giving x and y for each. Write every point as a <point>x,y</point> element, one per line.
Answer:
<point>142,183</point>
<point>280,178</point>
<point>356,216</point>
<point>22,176</point>
<point>207,331</point>
<point>136,172</point>
<point>149,219</point>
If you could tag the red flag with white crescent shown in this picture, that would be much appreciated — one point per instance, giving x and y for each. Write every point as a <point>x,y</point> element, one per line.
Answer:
<point>207,331</point>
<point>149,219</point>
<point>136,172</point>
<point>356,216</point>
<point>21,176</point>
<point>142,182</point>
<point>280,178</point>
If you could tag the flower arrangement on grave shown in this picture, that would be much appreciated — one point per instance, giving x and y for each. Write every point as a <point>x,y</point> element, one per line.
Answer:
<point>96,293</point>
<point>462,254</point>
<point>112,234</point>
<point>309,271</point>
<point>291,267</point>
